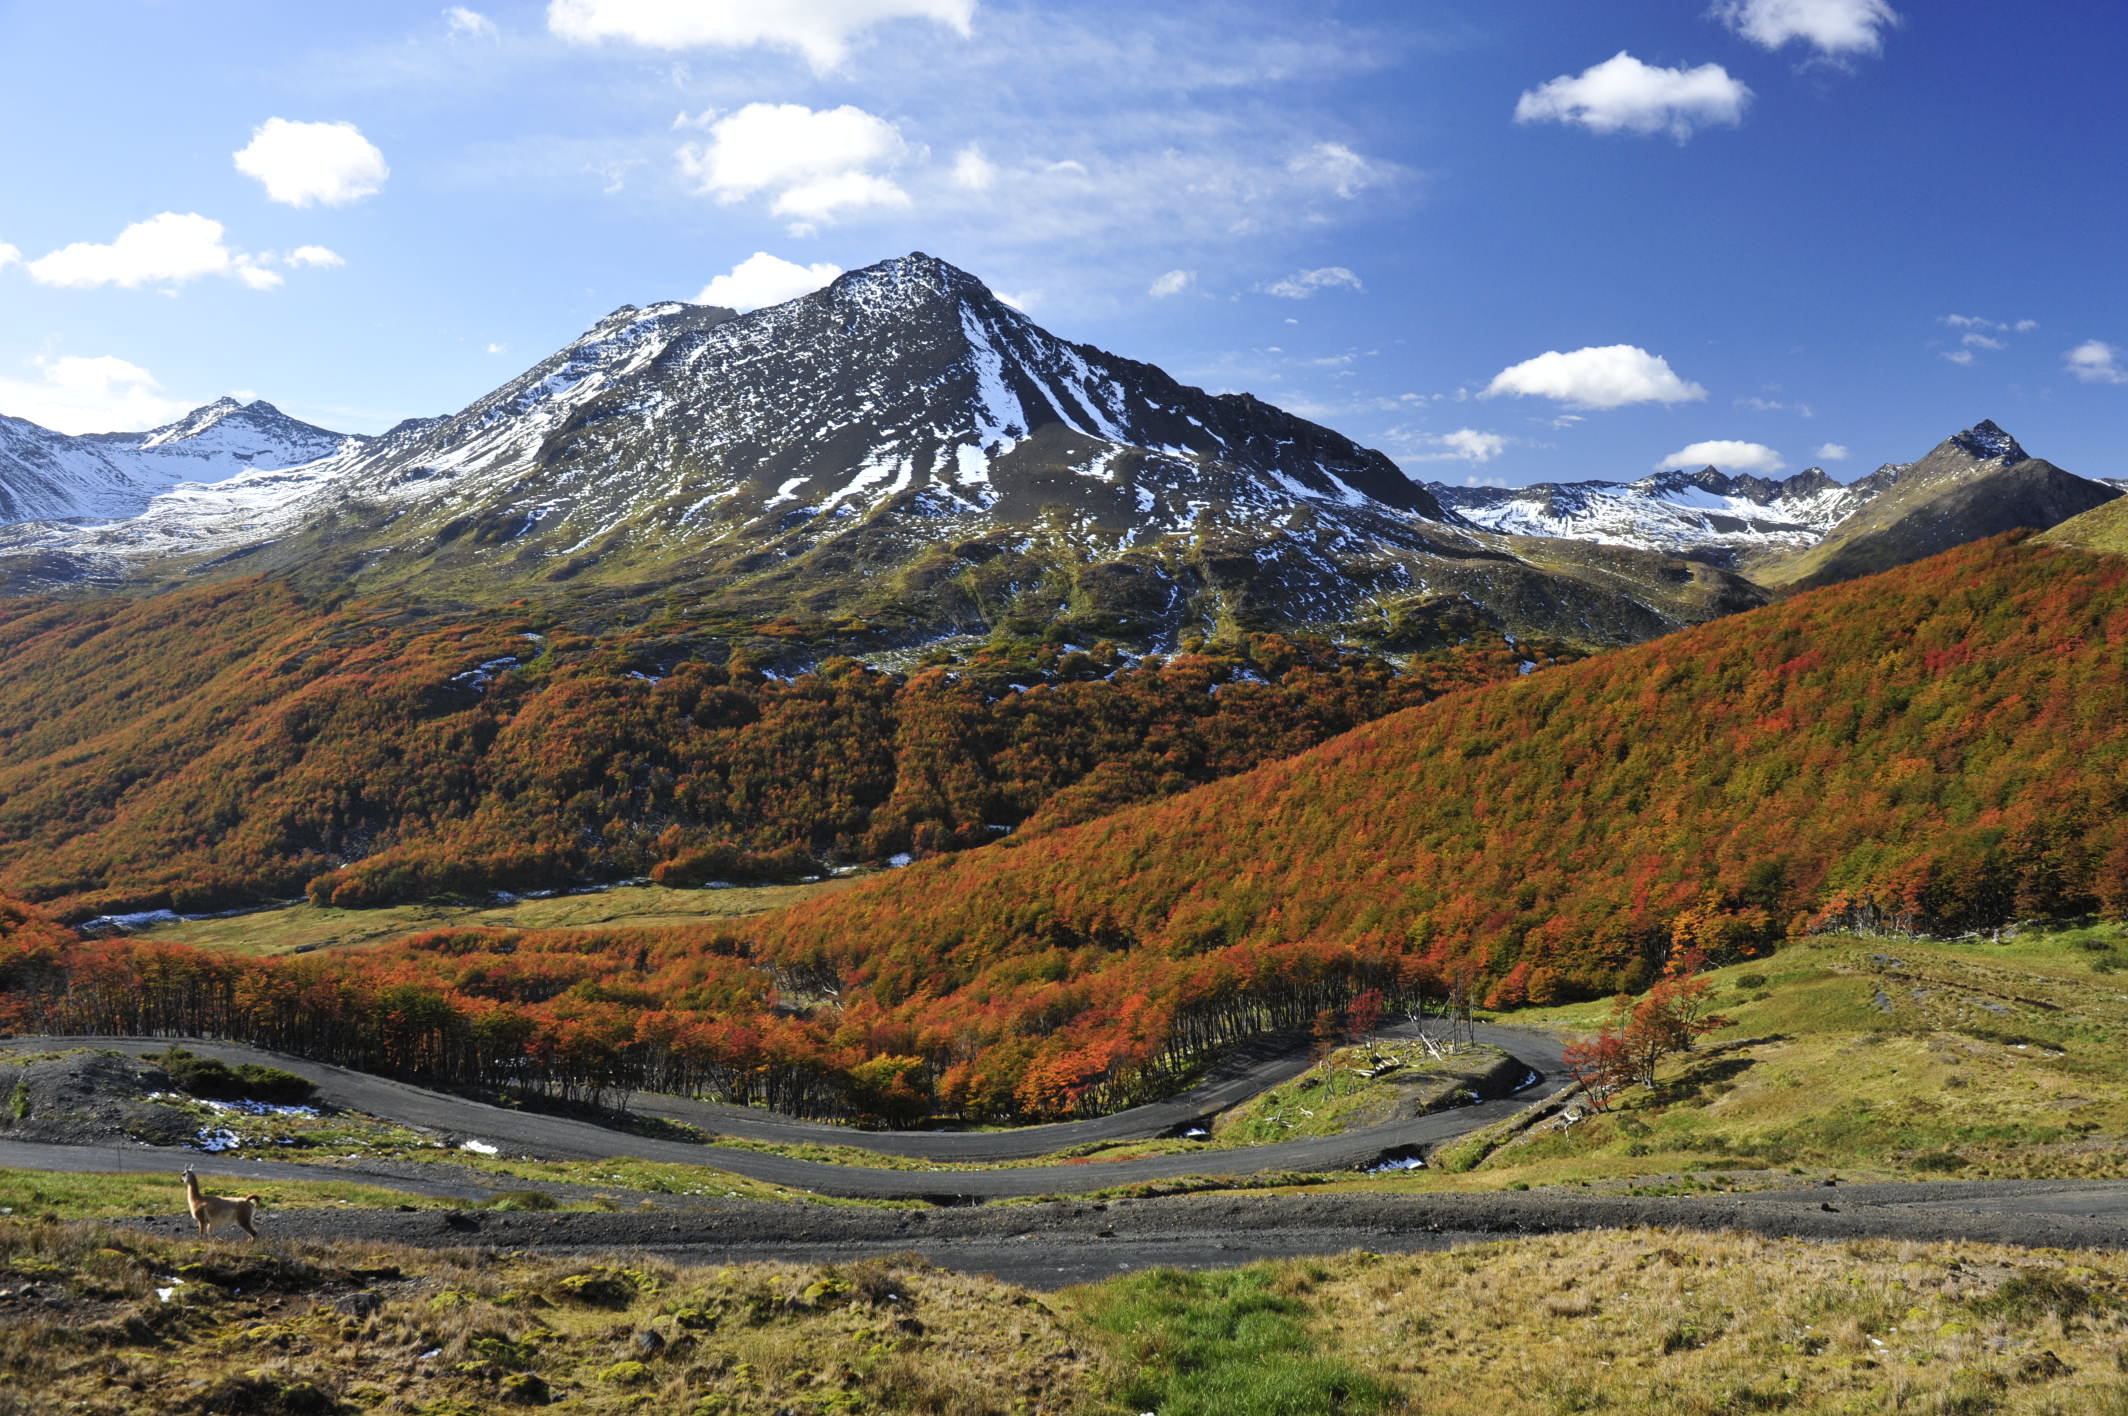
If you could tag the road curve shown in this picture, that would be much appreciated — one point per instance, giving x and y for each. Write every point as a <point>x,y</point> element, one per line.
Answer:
<point>564,1138</point>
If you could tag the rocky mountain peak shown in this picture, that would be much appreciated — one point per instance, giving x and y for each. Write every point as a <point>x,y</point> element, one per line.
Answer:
<point>1985,441</point>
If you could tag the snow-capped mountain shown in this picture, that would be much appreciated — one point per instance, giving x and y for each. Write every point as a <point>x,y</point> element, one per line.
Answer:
<point>901,450</point>
<point>48,476</point>
<point>1708,512</point>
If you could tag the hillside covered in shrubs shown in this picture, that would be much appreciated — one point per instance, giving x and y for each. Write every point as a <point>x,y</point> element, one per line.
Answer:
<point>238,744</point>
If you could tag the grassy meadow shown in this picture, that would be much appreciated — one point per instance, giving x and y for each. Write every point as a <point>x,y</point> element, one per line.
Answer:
<point>102,1320</point>
<point>301,928</point>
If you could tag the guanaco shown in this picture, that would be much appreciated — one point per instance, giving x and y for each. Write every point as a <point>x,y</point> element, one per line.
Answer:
<point>211,1210</point>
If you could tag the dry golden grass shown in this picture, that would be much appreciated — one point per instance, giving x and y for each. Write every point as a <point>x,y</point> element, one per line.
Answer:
<point>278,1328</point>
<point>1645,1321</point>
<point>1684,1324</point>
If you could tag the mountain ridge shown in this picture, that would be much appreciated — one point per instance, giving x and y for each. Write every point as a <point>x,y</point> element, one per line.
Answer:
<point>896,458</point>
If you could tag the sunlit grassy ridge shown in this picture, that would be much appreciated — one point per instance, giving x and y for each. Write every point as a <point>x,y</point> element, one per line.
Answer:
<point>300,928</point>
<point>100,1320</point>
<point>1882,1057</point>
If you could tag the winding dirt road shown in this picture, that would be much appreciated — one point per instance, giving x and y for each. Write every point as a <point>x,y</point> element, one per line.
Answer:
<point>549,1137</point>
<point>1052,1242</point>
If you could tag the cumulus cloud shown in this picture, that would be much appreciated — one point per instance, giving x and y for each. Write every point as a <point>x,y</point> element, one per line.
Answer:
<point>1623,95</point>
<point>168,248</point>
<point>762,279</point>
<point>1301,284</point>
<point>303,163</point>
<point>820,30</point>
<point>1835,28</point>
<point>1832,452</point>
<point>817,164</point>
<point>1727,454</point>
<point>2095,361</point>
<point>315,256</point>
<point>1610,376</point>
<point>89,395</point>
<point>1462,445</point>
<point>469,23</point>
<point>9,255</point>
<point>1172,283</point>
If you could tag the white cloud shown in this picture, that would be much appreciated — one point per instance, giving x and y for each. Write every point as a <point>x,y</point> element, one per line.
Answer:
<point>820,30</point>
<point>315,256</point>
<point>973,172</point>
<point>1463,445</point>
<point>819,164</point>
<point>1301,284</point>
<point>302,163</point>
<point>470,23</point>
<point>1833,27</point>
<point>258,277</point>
<point>1727,454</point>
<point>1172,283</point>
<point>822,200</point>
<point>762,279</point>
<point>1979,324</point>
<point>1623,95</point>
<point>1021,300</point>
<point>1973,339</point>
<point>1960,356</point>
<point>1774,405</point>
<point>1336,168</point>
<point>84,395</point>
<point>9,255</point>
<point>496,348</point>
<point>2095,361</point>
<point>167,247</point>
<point>1832,452</point>
<point>1611,376</point>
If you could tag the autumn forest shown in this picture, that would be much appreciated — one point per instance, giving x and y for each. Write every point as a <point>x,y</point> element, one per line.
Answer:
<point>1243,838</point>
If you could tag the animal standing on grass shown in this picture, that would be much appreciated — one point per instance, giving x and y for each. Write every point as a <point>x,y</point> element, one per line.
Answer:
<point>211,1210</point>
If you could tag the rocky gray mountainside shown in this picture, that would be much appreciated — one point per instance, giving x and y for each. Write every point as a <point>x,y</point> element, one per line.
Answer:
<point>1974,484</point>
<point>897,457</point>
<point>48,476</point>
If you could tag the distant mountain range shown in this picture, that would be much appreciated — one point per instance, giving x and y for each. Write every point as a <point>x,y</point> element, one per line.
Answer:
<point>1807,527</point>
<point>48,476</point>
<point>899,458</point>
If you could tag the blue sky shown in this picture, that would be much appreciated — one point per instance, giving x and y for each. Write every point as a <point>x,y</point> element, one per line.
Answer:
<point>1471,234</point>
